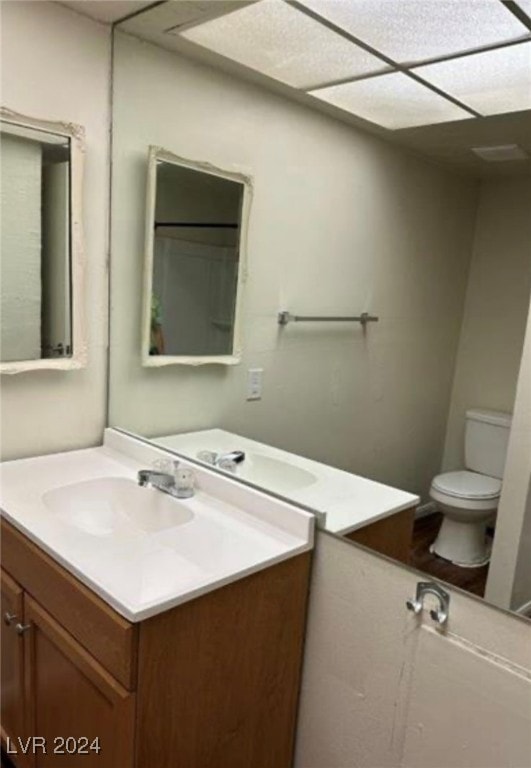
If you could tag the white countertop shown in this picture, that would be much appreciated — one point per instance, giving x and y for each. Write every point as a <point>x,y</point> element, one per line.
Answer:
<point>234,530</point>
<point>343,501</point>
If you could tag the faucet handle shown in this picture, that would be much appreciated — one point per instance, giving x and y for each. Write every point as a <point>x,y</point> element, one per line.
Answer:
<point>184,481</point>
<point>163,465</point>
<point>228,464</point>
<point>208,457</point>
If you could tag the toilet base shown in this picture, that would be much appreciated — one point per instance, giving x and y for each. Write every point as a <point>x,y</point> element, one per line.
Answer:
<point>462,543</point>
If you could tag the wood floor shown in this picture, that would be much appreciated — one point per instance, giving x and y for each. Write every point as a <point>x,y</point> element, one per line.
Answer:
<point>5,762</point>
<point>424,533</point>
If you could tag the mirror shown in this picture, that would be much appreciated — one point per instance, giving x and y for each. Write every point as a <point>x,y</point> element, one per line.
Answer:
<point>359,421</point>
<point>40,248</point>
<point>194,265</point>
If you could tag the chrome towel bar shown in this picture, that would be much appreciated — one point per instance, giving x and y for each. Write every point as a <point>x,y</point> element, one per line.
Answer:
<point>286,317</point>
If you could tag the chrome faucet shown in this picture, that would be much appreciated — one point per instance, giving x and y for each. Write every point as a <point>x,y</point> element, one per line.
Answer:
<point>180,484</point>
<point>226,461</point>
<point>236,456</point>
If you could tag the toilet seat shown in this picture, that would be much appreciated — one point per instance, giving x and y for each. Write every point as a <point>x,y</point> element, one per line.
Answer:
<point>467,485</point>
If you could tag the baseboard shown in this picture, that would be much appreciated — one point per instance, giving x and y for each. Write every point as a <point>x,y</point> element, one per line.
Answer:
<point>425,509</point>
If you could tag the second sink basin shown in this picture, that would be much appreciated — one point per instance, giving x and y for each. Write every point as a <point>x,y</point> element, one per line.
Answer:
<point>100,507</point>
<point>276,475</point>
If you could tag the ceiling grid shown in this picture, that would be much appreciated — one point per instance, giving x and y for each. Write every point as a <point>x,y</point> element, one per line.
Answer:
<point>379,58</point>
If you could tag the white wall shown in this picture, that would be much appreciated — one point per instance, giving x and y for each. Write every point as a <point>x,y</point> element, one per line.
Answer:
<point>381,689</point>
<point>56,66</point>
<point>341,223</point>
<point>20,245</point>
<point>509,579</point>
<point>521,593</point>
<point>496,308</point>
<point>490,365</point>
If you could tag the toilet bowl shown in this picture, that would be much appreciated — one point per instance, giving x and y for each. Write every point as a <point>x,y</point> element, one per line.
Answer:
<point>468,501</point>
<point>469,498</point>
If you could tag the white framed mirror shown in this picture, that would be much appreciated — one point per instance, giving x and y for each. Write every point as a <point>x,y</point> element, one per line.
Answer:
<point>195,262</point>
<point>42,261</point>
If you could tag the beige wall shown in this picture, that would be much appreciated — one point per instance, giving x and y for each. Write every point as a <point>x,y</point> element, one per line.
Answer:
<point>497,304</point>
<point>383,689</point>
<point>509,580</point>
<point>56,66</point>
<point>341,223</point>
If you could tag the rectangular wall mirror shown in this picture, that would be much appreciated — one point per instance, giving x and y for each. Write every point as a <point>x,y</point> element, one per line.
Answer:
<point>194,262</point>
<point>379,428</point>
<point>40,245</point>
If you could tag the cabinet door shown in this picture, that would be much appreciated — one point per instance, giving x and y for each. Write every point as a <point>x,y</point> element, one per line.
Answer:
<point>391,536</point>
<point>12,664</point>
<point>72,701</point>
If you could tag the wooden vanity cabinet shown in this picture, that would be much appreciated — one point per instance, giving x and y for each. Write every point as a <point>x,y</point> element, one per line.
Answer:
<point>84,716</point>
<point>12,661</point>
<point>391,536</point>
<point>212,683</point>
<point>59,691</point>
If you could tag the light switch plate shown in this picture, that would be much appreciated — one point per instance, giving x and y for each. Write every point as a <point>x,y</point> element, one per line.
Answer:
<point>254,383</point>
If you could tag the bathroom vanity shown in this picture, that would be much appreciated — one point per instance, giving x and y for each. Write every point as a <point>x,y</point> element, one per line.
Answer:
<point>370,513</point>
<point>202,670</point>
<point>391,536</point>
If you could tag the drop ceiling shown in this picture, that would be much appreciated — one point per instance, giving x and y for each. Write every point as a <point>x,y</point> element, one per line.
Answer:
<point>439,77</point>
<point>108,11</point>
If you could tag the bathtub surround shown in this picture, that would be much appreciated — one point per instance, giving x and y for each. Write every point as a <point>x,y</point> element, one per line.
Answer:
<point>341,222</point>
<point>47,411</point>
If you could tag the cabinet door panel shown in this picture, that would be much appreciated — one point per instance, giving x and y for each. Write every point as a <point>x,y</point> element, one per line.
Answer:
<point>71,696</point>
<point>391,536</point>
<point>106,635</point>
<point>12,669</point>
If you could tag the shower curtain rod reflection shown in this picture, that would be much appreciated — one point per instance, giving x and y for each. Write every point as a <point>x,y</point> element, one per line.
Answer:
<point>196,224</point>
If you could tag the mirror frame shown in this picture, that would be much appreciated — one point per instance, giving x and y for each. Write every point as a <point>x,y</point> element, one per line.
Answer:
<point>156,155</point>
<point>76,135</point>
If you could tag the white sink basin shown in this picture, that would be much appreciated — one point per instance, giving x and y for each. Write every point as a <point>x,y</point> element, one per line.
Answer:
<point>139,549</point>
<point>104,506</point>
<point>274,474</point>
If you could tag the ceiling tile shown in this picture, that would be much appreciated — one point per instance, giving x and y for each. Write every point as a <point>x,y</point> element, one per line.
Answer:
<point>284,43</point>
<point>108,11</point>
<point>500,153</point>
<point>492,83</point>
<point>525,5</point>
<point>411,31</point>
<point>393,100</point>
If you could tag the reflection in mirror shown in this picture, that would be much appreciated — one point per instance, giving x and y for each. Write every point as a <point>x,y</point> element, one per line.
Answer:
<point>411,435</point>
<point>35,193</point>
<point>41,261</point>
<point>193,265</point>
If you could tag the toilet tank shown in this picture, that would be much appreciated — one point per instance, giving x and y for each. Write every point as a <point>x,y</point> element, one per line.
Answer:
<point>486,440</point>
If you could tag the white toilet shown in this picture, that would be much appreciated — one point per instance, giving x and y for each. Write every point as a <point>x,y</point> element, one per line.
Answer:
<point>469,497</point>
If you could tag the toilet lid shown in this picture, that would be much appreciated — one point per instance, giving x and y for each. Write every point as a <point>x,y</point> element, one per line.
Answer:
<point>468,485</point>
